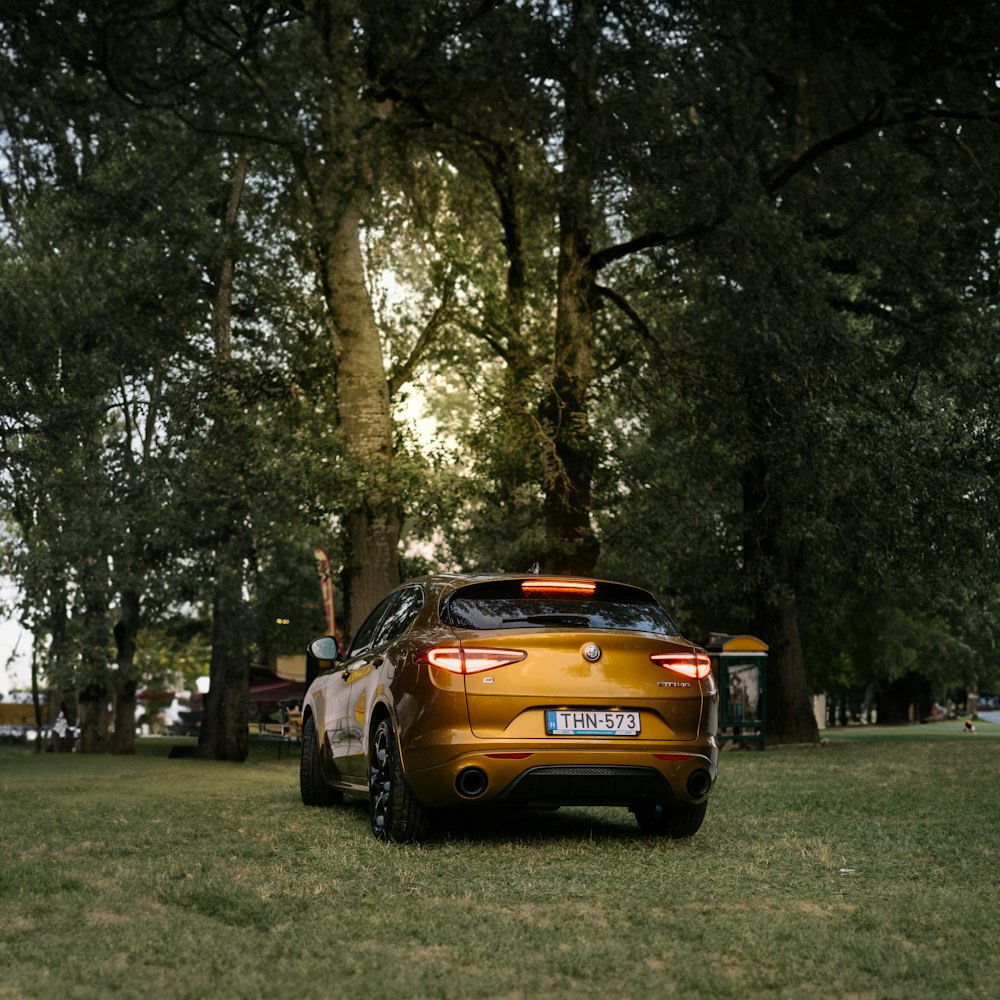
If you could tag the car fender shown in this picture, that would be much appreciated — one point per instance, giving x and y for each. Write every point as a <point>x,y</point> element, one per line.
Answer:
<point>315,705</point>
<point>377,707</point>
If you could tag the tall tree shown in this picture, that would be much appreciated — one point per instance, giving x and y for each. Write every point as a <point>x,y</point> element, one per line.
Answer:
<point>223,732</point>
<point>304,85</point>
<point>836,145</point>
<point>105,207</point>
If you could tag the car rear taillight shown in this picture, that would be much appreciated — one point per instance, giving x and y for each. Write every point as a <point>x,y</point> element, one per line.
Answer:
<point>469,660</point>
<point>694,665</point>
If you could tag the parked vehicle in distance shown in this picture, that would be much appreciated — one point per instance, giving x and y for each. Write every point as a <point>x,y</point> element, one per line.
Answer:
<point>512,691</point>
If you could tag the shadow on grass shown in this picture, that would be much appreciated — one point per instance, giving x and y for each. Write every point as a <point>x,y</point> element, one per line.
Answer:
<point>521,825</point>
<point>515,826</point>
<point>483,824</point>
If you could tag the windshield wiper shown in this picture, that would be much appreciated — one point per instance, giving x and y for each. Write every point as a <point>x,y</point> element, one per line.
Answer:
<point>571,621</point>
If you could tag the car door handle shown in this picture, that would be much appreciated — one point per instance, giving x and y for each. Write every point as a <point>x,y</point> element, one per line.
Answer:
<point>377,662</point>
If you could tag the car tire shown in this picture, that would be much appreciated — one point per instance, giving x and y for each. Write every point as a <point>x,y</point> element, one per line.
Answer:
<point>395,814</point>
<point>315,791</point>
<point>670,819</point>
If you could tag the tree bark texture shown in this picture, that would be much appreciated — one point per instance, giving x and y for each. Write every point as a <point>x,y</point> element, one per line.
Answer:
<point>36,702</point>
<point>60,675</point>
<point>569,453</point>
<point>375,521</point>
<point>94,694</point>
<point>223,733</point>
<point>339,178</point>
<point>126,677</point>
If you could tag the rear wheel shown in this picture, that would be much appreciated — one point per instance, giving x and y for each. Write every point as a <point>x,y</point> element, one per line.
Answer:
<point>395,813</point>
<point>315,791</point>
<point>670,819</point>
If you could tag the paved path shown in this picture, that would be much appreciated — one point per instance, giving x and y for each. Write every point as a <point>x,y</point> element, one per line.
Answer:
<point>990,717</point>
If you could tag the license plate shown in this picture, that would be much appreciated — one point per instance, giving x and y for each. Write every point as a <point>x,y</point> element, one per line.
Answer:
<point>581,722</point>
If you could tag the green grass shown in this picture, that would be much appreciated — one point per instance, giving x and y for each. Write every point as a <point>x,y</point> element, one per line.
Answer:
<point>867,869</point>
<point>948,729</point>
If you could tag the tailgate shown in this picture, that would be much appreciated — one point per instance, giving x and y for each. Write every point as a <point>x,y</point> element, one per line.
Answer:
<point>581,670</point>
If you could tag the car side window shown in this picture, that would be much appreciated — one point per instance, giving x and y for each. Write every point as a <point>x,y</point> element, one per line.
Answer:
<point>365,634</point>
<point>400,616</point>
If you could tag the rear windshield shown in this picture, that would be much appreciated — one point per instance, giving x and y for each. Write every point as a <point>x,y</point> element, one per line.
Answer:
<point>502,604</point>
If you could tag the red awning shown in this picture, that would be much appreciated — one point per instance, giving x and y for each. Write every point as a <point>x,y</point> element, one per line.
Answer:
<point>277,691</point>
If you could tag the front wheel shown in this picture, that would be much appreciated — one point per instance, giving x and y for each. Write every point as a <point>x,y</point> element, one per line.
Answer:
<point>670,819</point>
<point>395,813</point>
<point>314,790</point>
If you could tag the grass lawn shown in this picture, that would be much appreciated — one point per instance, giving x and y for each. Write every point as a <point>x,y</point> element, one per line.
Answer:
<point>948,729</point>
<point>867,869</point>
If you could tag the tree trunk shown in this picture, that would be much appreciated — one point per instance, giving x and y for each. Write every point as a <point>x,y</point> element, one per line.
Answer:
<point>375,521</point>
<point>570,543</point>
<point>126,679</point>
<point>60,675</point>
<point>337,175</point>
<point>771,572</point>
<point>569,457</point>
<point>36,701</point>
<point>223,733</point>
<point>93,700</point>
<point>94,693</point>
<point>513,467</point>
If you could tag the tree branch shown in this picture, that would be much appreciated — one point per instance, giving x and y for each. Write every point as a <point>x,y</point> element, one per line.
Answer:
<point>626,307</point>
<point>653,240</point>
<point>504,353</point>
<point>432,328</point>
<point>876,120</point>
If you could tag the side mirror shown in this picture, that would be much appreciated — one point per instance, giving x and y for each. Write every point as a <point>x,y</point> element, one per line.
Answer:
<point>324,648</point>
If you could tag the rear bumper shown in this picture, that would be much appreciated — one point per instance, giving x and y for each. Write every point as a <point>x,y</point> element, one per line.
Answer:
<point>532,776</point>
<point>586,784</point>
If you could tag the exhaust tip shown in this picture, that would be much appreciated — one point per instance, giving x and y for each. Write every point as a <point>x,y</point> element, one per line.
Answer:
<point>699,783</point>
<point>471,782</point>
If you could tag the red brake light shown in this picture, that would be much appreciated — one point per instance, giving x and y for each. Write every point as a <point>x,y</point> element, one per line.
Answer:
<point>694,665</point>
<point>575,588</point>
<point>470,660</point>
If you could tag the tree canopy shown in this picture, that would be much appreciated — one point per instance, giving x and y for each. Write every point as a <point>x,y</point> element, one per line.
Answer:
<point>698,295</point>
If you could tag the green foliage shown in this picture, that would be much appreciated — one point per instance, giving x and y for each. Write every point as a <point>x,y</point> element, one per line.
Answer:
<point>813,335</point>
<point>173,655</point>
<point>793,224</point>
<point>113,464</point>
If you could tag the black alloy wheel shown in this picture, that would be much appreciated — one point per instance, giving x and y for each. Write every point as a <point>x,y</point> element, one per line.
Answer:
<point>395,814</point>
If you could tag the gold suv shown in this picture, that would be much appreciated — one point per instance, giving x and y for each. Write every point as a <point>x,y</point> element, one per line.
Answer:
<point>512,691</point>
